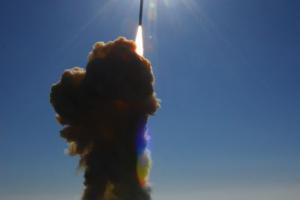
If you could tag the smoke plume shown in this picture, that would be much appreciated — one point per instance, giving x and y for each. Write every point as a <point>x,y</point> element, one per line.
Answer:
<point>104,109</point>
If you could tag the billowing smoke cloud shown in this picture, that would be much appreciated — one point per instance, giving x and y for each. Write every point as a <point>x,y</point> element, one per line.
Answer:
<point>104,110</point>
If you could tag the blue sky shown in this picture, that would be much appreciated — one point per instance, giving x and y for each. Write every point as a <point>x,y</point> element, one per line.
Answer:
<point>227,73</point>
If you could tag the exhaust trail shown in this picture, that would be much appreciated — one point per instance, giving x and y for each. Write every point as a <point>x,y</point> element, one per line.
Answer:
<point>104,109</point>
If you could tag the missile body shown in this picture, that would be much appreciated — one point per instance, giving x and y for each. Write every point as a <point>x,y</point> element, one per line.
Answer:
<point>141,12</point>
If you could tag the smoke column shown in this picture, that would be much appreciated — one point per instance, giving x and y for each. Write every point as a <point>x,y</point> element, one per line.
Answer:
<point>104,110</point>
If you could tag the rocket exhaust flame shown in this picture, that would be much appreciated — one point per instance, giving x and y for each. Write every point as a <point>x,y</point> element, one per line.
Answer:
<point>139,41</point>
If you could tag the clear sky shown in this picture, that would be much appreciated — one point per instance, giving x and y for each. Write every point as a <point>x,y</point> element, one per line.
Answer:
<point>227,73</point>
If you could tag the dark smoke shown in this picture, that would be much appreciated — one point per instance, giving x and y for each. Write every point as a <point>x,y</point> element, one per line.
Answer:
<point>104,110</point>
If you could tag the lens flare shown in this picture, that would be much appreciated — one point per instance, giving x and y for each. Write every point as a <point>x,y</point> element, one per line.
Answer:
<point>139,41</point>
<point>144,162</point>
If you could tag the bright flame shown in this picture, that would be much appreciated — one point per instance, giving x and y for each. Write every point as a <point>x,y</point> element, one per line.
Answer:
<point>139,41</point>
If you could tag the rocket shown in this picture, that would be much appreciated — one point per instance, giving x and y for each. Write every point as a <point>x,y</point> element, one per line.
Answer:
<point>139,33</point>
<point>141,12</point>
